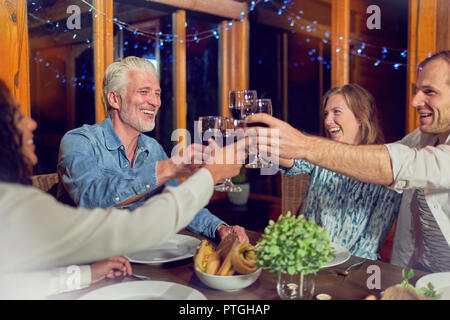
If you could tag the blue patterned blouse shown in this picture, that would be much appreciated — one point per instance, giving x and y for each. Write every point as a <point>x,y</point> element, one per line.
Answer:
<point>357,215</point>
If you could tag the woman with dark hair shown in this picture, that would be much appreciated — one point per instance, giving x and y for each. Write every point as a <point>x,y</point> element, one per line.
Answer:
<point>17,155</point>
<point>18,158</point>
<point>357,215</point>
<point>38,233</point>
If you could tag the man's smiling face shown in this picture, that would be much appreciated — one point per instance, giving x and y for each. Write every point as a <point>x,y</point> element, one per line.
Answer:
<point>432,97</point>
<point>141,101</point>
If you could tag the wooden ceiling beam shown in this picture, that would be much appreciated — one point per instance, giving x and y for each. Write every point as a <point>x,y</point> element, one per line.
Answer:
<point>223,8</point>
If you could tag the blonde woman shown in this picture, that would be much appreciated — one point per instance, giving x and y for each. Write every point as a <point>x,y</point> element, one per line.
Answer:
<point>357,215</point>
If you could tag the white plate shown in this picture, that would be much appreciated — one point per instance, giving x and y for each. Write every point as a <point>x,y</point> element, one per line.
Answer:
<point>341,254</point>
<point>144,290</point>
<point>178,247</point>
<point>440,282</point>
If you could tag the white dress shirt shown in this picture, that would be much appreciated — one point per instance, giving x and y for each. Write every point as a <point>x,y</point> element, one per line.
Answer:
<point>418,164</point>
<point>38,233</point>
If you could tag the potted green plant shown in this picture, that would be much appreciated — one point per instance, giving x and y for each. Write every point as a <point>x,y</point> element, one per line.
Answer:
<point>295,248</point>
<point>240,198</point>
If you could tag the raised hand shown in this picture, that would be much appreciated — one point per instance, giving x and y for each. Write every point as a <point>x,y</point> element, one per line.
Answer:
<point>281,140</point>
<point>225,162</point>
<point>238,231</point>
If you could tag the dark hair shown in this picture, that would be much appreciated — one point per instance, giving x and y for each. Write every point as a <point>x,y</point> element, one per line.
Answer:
<point>13,167</point>
<point>363,106</point>
<point>444,55</point>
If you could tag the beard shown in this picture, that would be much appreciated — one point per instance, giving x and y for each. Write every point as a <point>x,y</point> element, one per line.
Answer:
<point>133,119</point>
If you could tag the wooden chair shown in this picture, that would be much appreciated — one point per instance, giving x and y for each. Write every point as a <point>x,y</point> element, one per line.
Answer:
<point>293,190</point>
<point>47,183</point>
<point>386,248</point>
<point>50,183</point>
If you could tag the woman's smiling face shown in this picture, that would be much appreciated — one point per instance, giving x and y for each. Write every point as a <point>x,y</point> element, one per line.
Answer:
<point>340,122</point>
<point>25,125</point>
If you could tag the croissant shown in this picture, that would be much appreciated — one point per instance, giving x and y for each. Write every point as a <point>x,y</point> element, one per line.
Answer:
<point>243,258</point>
<point>231,256</point>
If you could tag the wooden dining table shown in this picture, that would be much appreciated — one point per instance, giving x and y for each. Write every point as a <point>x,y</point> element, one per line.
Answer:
<point>354,286</point>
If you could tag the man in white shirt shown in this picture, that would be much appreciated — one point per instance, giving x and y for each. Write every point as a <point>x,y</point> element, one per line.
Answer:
<point>420,161</point>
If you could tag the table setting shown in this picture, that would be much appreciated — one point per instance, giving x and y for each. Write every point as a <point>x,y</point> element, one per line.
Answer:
<point>292,259</point>
<point>168,272</point>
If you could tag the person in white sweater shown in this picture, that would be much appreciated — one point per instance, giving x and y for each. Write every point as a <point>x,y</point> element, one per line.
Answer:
<point>39,234</point>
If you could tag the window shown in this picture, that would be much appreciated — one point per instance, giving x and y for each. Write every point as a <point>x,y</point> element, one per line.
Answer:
<point>61,74</point>
<point>201,70</point>
<point>145,34</point>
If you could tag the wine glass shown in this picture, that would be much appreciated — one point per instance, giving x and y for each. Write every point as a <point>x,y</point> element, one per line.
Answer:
<point>218,128</point>
<point>240,101</point>
<point>261,106</point>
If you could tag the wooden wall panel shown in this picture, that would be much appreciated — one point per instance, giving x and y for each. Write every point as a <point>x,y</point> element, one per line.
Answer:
<point>14,63</point>
<point>443,25</point>
<point>222,8</point>
<point>224,68</point>
<point>421,43</point>
<point>179,69</point>
<point>240,55</point>
<point>103,51</point>
<point>428,33</point>
<point>340,48</point>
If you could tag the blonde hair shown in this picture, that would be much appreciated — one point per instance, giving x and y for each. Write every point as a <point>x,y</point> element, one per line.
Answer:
<point>116,75</point>
<point>363,106</point>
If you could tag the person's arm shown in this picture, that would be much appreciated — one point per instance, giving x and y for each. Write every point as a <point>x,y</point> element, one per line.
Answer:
<point>205,224</point>
<point>39,232</point>
<point>367,163</point>
<point>425,168</point>
<point>90,185</point>
<point>44,283</point>
<point>69,278</point>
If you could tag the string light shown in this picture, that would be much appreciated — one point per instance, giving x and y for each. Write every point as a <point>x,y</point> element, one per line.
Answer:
<point>60,76</point>
<point>282,9</point>
<point>196,37</point>
<point>158,36</point>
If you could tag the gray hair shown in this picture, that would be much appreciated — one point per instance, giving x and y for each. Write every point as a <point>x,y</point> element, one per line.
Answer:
<point>116,75</point>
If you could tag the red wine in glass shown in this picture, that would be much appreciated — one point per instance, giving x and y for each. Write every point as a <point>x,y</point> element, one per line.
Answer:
<point>261,106</point>
<point>257,124</point>
<point>235,112</point>
<point>240,100</point>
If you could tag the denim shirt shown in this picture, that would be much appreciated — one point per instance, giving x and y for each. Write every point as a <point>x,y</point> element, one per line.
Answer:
<point>96,172</point>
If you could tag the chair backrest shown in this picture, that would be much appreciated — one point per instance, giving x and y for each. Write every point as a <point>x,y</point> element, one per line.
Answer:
<point>50,183</point>
<point>293,190</point>
<point>47,183</point>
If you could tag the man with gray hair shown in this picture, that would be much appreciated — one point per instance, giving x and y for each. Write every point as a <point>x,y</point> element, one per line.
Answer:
<point>112,163</point>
